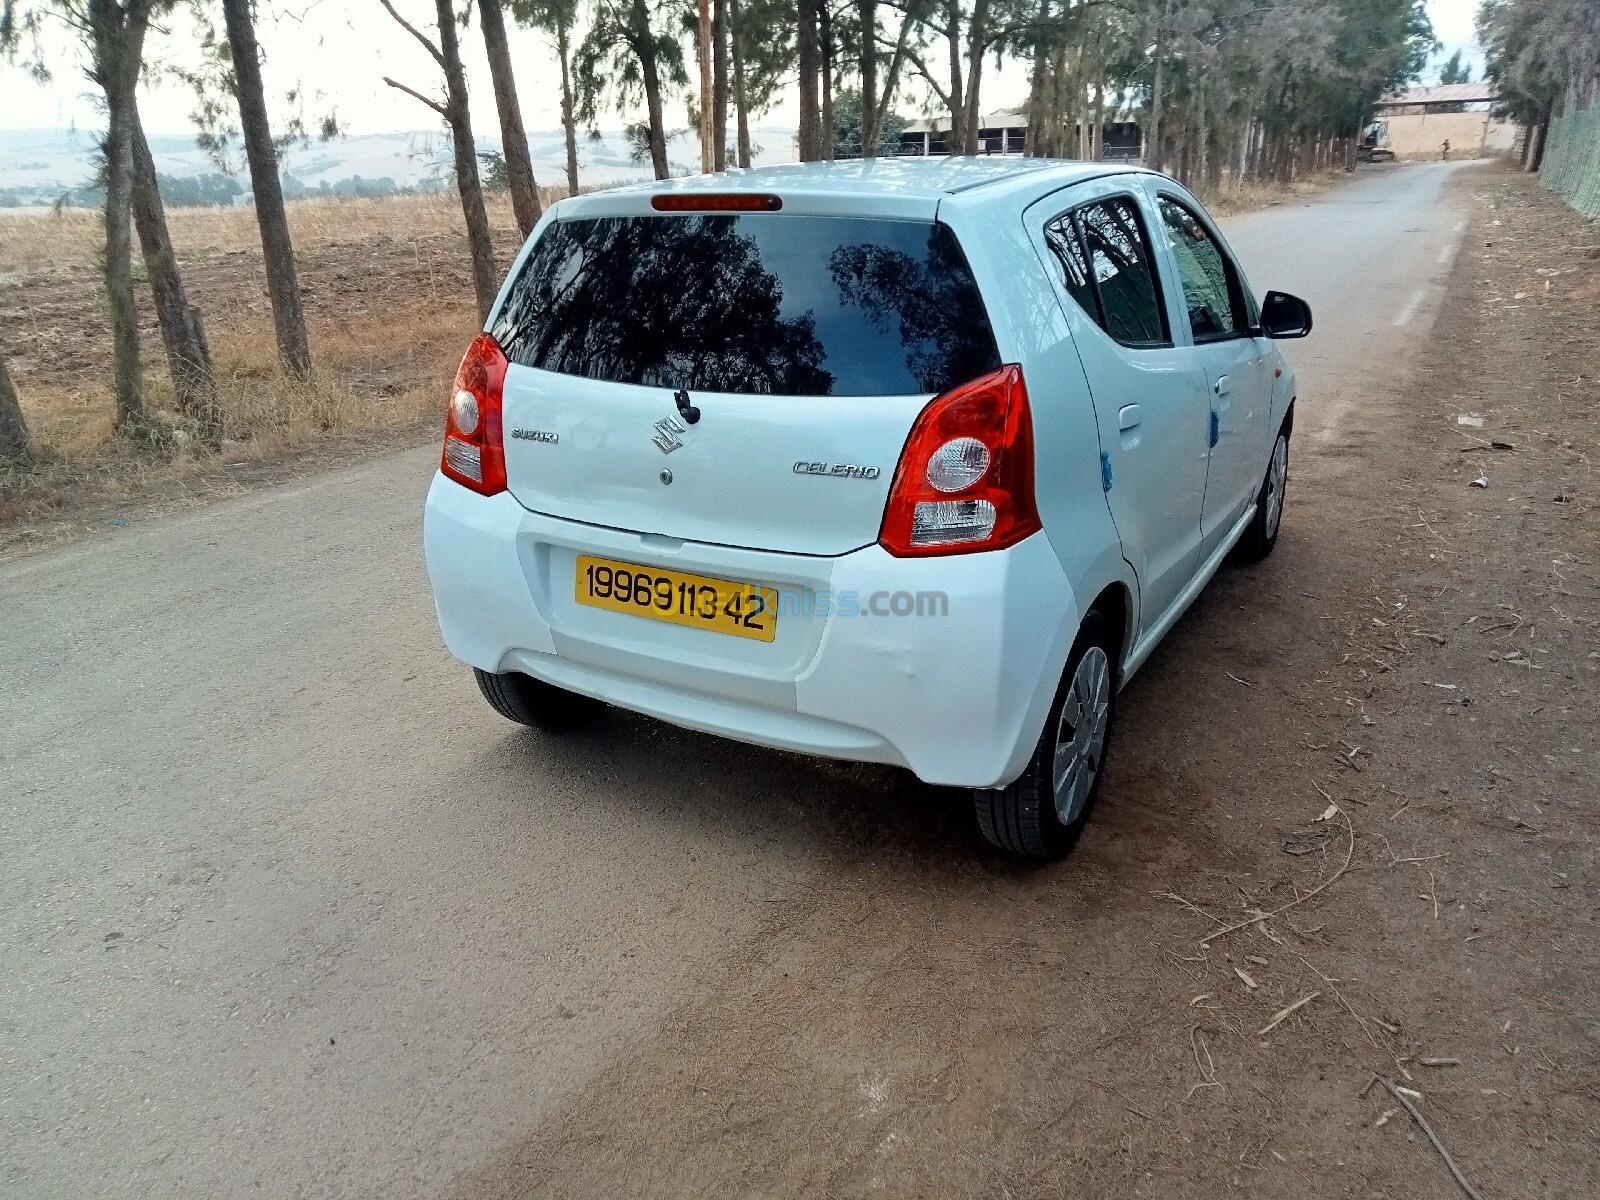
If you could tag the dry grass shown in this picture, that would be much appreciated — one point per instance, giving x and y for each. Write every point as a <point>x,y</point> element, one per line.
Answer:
<point>1236,196</point>
<point>389,309</point>
<point>38,241</point>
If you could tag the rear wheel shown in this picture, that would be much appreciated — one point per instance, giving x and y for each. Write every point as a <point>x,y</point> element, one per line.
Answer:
<point>532,702</point>
<point>1041,813</point>
<point>1262,535</point>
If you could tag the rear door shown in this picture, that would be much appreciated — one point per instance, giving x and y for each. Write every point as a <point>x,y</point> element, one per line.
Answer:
<point>1149,396</point>
<point>1215,305</point>
<point>742,378</point>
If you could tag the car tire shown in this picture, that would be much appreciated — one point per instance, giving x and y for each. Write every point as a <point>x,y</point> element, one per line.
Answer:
<point>1262,534</point>
<point>532,702</point>
<point>1031,816</point>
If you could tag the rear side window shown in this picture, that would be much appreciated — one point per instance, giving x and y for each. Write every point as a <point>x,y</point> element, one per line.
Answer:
<point>1106,265</point>
<point>751,303</point>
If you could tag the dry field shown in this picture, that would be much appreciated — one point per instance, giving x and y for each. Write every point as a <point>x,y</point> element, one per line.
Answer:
<point>388,298</point>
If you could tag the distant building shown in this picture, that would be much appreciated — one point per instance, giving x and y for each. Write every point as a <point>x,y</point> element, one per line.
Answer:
<point>1006,132</point>
<point>1417,123</point>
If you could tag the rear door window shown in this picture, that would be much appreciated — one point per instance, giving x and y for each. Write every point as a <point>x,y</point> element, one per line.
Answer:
<point>751,303</point>
<point>1107,267</point>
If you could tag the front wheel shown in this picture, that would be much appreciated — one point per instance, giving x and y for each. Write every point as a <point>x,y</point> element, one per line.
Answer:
<point>1042,813</point>
<point>1262,534</point>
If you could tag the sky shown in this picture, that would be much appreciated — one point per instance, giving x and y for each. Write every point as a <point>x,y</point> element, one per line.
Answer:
<point>339,50</point>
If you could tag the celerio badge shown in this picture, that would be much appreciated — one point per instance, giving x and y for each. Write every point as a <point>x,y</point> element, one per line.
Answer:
<point>841,470</point>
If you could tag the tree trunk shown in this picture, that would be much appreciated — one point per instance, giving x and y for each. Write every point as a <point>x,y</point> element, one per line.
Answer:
<point>1152,155</point>
<point>1057,89</point>
<point>1098,112</point>
<point>1080,97</point>
<point>977,35</point>
<point>569,123</point>
<point>513,138</point>
<point>119,45</point>
<point>1537,137</point>
<point>459,114</point>
<point>810,132</point>
<point>740,105</point>
<point>702,43</point>
<point>277,251</point>
<point>1035,139</point>
<point>13,428</point>
<point>194,386</point>
<point>655,116</point>
<point>825,32</point>
<point>891,78</point>
<point>868,11</point>
<point>957,144</point>
<point>719,83</point>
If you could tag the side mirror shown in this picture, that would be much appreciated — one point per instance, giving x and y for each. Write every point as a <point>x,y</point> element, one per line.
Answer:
<point>1285,316</point>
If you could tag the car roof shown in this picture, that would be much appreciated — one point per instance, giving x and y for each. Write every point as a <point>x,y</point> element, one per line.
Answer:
<point>912,186</point>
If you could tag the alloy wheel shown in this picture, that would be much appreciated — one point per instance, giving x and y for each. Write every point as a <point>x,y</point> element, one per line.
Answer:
<point>1081,734</point>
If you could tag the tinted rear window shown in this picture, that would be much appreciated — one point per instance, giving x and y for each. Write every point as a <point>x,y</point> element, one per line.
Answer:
<point>751,303</point>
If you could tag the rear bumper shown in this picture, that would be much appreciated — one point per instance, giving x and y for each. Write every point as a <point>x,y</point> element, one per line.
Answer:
<point>956,689</point>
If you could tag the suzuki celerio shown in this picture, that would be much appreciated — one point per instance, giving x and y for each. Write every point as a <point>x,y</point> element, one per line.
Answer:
<point>908,462</point>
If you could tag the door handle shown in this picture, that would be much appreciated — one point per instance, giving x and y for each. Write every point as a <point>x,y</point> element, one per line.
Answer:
<point>1220,387</point>
<point>1128,417</point>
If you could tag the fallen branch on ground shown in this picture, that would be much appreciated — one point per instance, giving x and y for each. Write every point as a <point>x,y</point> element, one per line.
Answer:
<point>1283,1014</point>
<point>1432,1136</point>
<point>1349,853</point>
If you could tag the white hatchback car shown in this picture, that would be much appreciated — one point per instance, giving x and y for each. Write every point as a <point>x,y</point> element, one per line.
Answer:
<point>909,462</point>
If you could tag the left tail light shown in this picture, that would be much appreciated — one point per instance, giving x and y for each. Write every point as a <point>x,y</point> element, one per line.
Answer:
<point>474,446</point>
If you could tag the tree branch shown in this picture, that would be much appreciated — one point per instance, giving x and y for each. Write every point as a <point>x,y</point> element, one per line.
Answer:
<point>420,36</point>
<point>433,104</point>
<point>916,61</point>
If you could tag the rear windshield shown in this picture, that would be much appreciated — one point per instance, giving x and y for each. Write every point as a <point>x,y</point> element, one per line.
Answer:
<point>751,303</point>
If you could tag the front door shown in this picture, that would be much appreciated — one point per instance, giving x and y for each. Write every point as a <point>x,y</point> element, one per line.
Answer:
<point>1214,303</point>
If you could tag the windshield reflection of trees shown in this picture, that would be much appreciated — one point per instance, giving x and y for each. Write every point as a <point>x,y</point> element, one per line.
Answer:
<point>942,325</point>
<point>689,302</point>
<point>682,302</point>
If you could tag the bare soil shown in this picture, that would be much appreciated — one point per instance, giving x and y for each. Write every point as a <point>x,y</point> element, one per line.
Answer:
<point>1386,824</point>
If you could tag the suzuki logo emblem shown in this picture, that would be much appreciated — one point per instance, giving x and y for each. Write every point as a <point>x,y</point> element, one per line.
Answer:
<point>666,436</point>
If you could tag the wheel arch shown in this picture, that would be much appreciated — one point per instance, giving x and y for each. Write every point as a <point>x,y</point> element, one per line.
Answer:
<point>1116,602</point>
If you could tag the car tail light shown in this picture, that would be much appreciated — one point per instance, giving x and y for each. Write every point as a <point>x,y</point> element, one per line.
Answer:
<point>965,479</point>
<point>474,448</point>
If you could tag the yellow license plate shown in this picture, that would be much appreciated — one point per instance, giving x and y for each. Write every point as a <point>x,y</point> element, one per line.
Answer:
<point>744,610</point>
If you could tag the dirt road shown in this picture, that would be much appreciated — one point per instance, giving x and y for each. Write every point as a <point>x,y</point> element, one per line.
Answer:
<point>286,911</point>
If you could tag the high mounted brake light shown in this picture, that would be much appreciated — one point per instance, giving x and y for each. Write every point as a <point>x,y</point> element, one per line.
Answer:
<point>474,447</point>
<point>965,479</point>
<point>716,202</point>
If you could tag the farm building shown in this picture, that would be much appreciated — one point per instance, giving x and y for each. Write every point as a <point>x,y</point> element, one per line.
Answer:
<point>1006,132</point>
<point>1418,122</point>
